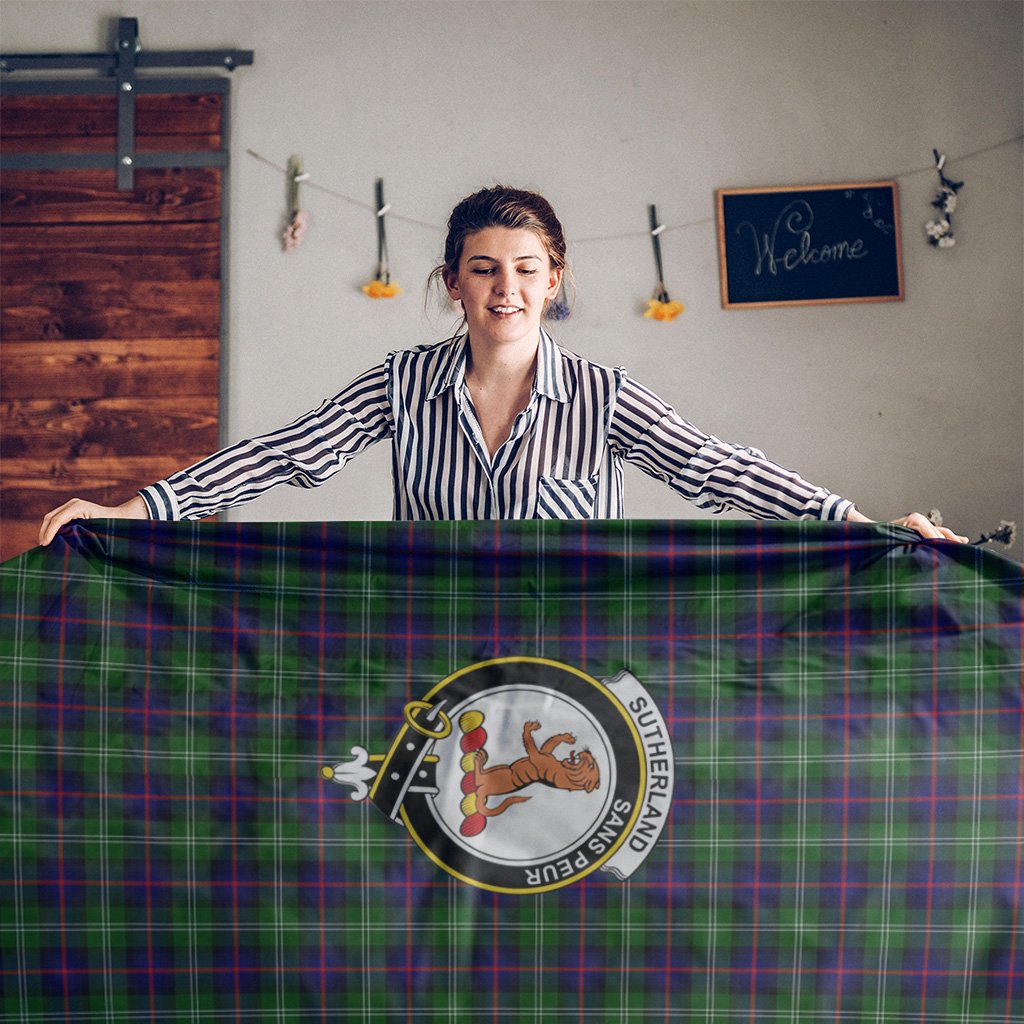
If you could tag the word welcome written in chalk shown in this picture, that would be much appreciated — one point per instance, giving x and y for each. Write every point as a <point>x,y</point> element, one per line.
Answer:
<point>796,220</point>
<point>819,243</point>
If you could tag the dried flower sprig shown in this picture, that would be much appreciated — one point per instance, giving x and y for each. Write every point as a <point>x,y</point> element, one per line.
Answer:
<point>665,311</point>
<point>292,237</point>
<point>1005,533</point>
<point>660,307</point>
<point>298,219</point>
<point>558,308</point>
<point>940,231</point>
<point>381,287</point>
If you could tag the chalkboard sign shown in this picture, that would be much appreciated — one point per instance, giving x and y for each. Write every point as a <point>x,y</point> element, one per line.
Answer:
<point>809,245</point>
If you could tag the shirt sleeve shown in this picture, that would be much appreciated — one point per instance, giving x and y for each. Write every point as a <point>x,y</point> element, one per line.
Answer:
<point>711,473</point>
<point>304,453</point>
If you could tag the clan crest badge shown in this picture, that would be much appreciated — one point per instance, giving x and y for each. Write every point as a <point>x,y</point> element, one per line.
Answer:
<point>523,775</point>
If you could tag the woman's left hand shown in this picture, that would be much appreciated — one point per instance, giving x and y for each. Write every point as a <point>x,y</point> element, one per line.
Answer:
<point>915,521</point>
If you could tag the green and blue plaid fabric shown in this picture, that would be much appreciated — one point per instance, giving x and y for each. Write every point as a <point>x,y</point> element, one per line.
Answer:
<point>845,835</point>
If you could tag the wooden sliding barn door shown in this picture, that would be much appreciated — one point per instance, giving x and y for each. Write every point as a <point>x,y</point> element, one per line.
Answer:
<point>110,308</point>
<point>112,215</point>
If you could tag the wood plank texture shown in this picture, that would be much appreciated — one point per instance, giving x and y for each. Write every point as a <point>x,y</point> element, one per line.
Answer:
<point>78,116</point>
<point>98,252</point>
<point>110,369</point>
<point>108,144</point>
<point>32,486</point>
<point>17,535</point>
<point>80,197</point>
<point>115,309</point>
<point>59,428</point>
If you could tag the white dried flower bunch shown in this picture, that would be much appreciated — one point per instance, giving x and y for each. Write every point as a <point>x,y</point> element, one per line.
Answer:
<point>940,231</point>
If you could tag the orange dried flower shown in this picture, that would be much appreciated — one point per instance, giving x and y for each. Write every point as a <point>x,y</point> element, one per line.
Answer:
<point>380,290</point>
<point>665,311</point>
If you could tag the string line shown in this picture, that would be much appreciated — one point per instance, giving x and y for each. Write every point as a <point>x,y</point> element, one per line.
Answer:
<point>312,184</point>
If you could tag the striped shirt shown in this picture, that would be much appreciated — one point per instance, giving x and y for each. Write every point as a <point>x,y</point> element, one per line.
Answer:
<point>562,460</point>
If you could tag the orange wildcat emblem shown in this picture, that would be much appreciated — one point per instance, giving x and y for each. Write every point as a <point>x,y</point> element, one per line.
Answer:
<point>577,771</point>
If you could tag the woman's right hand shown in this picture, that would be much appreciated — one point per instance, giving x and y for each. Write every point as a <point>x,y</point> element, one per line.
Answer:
<point>76,508</point>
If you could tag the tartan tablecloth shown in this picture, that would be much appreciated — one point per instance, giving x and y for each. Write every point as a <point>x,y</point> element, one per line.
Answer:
<point>841,840</point>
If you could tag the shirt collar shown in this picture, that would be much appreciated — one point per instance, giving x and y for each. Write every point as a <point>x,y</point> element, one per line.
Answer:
<point>451,370</point>
<point>549,380</point>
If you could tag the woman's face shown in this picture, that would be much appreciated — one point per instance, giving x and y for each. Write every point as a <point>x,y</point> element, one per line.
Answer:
<point>504,279</point>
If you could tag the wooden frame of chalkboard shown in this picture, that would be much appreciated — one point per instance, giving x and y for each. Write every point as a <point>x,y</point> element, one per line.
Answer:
<point>810,245</point>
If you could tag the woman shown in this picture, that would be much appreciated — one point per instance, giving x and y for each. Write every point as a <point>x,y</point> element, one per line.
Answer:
<point>498,422</point>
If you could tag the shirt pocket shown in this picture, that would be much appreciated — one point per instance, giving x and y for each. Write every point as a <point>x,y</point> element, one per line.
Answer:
<point>565,498</point>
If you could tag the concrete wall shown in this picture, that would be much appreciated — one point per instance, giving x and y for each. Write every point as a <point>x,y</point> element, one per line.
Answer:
<point>606,107</point>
